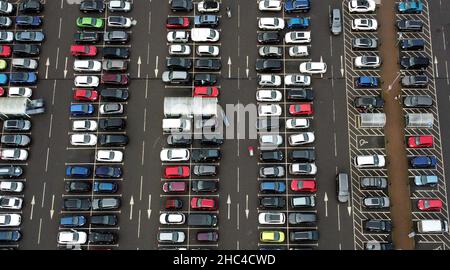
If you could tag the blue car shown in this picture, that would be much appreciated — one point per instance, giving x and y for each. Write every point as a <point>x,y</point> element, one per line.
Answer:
<point>298,23</point>
<point>108,172</point>
<point>23,78</point>
<point>31,21</point>
<point>81,109</point>
<point>367,81</point>
<point>78,171</point>
<point>297,6</point>
<point>423,162</point>
<point>410,7</point>
<point>105,187</point>
<point>72,221</point>
<point>272,187</point>
<point>3,79</point>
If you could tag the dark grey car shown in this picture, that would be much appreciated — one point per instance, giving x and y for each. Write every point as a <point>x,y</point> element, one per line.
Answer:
<point>374,183</point>
<point>415,81</point>
<point>105,203</point>
<point>302,218</point>
<point>205,170</point>
<point>418,101</point>
<point>115,65</point>
<point>365,43</point>
<point>116,37</point>
<point>10,171</point>
<point>304,236</point>
<point>15,140</point>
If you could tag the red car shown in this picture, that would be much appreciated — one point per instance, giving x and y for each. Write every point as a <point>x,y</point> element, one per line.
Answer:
<point>176,172</point>
<point>301,109</point>
<point>203,203</point>
<point>309,185</point>
<point>117,79</point>
<point>85,95</point>
<point>177,22</point>
<point>2,91</point>
<point>5,51</point>
<point>83,50</point>
<point>174,187</point>
<point>422,141</point>
<point>429,205</point>
<point>173,204</point>
<point>206,91</point>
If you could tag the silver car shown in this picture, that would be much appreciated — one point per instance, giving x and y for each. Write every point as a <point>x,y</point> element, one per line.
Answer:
<point>335,21</point>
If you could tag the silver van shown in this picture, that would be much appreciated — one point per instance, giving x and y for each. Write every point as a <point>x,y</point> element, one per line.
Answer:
<point>335,21</point>
<point>342,187</point>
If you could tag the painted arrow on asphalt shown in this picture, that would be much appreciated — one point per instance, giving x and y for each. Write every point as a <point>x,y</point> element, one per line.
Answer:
<point>247,70</point>
<point>47,64</point>
<point>229,205</point>
<point>349,207</point>
<point>139,62</point>
<point>131,207</point>
<point>156,66</point>
<point>247,211</point>
<point>325,199</point>
<point>65,68</point>
<point>33,202</point>
<point>52,210</point>
<point>436,66</point>
<point>149,210</point>
<point>342,66</point>
<point>229,67</point>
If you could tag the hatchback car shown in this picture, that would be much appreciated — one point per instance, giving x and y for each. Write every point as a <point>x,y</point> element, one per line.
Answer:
<point>176,171</point>
<point>177,22</point>
<point>271,23</point>
<point>361,6</point>
<point>29,36</point>
<point>377,225</point>
<point>421,141</point>
<point>301,138</point>
<point>119,22</point>
<point>303,201</point>
<point>364,24</point>
<point>272,171</point>
<point>423,162</point>
<point>365,43</point>
<point>376,202</point>
<point>269,37</point>
<point>111,109</point>
<point>297,80</point>
<point>304,185</point>
<point>109,156</point>
<point>374,182</point>
<point>429,205</point>
<point>369,161</point>
<point>417,101</point>
<point>268,218</point>
<point>105,203</point>
<point>367,61</point>
<point>81,109</point>
<point>298,37</point>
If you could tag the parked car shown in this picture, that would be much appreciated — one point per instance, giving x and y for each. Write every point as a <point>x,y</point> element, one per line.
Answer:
<point>298,218</point>
<point>374,182</point>
<point>377,225</point>
<point>268,218</point>
<point>272,202</point>
<point>423,162</point>
<point>414,81</point>
<point>303,201</point>
<point>376,202</point>
<point>425,180</point>
<point>271,171</point>
<point>421,141</point>
<point>414,62</point>
<point>172,186</point>
<point>364,24</point>
<point>205,155</point>
<point>429,205</point>
<point>302,236</point>
<point>204,185</point>
<point>365,43</point>
<point>361,6</point>
<point>369,161</point>
<point>409,25</point>
<point>105,203</point>
<point>272,187</point>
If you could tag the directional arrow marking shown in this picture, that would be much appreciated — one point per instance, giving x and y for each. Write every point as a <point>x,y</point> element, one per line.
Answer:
<point>65,68</point>
<point>149,210</point>
<point>131,207</point>
<point>47,64</point>
<point>33,202</point>
<point>247,70</point>
<point>247,211</point>
<point>325,199</point>
<point>229,67</point>
<point>139,62</point>
<point>156,66</point>
<point>52,210</point>
<point>228,204</point>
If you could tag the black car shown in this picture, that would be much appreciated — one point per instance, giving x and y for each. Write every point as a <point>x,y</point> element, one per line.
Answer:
<point>301,94</point>
<point>92,6</point>
<point>206,21</point>
<point>205,170</point>
<point>268,65</point>
<point>179,140</point>
<point>26,50</point>
<point>77,204</point>
<point>267,124</point>
<point>104,220</point>
<point>209,139</point>
<point>418,101</point>
<point>205,79</point>
<point>114,94</point>
<point>365,43</point>
<point>208,64</point>
<point>304,236</point>
<point>368,102</point>
<point>306,155</point>
<point>102,238</point>
<point>272,202</point>
<point>302,218</point>
<point>415,81</point>
<point>10,171</point>
<point>86,37</point>
<point>412,44</point>
<point>377,225</point>
<point>409,25</point>
<point>116,53</point>
<point>77,186</point>
<point>31,6</point>
<point>272,155</point>
<point>178,63</point>
<point>204,186</point>
<point>15,140</point>
<point>414,62</point>
<point>116,37</point>
<point>181,5</point>
<point>108,172</point>
<point>374,182</point>
<point>110,124</point>
<point>272,37</point>
<point>113,140</point>
<point>205,155</point>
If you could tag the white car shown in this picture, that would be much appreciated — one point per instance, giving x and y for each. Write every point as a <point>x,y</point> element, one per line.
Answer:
<point>20,92</point>
<point>364,24</point>
<point>13,203</point>
<point>174,154</point>
<point>298,37</point>
<point>271,23</point>
<point>6,37</point>
<point>270,140</point>
<point>301,138</point>
<point>178,36</point>
<point>207,50</point>
<point>11,186</point>
<point>361,6</point>
<point>109,156</point>
<point>268,95</point>
<point>271,218</point>
<point>313,67</point>
<point>119,22</point>
<point>72,238</point>
<point>303,169</point>
<point>208,6</point>
<point>269,80</point>
<point>83,139</point>
<point>84,125</point>
<point>172,218</point>
<point>367,61</point>
<point>269,110</point>
<point>13,154</point>
<point>10,220</point>
<point>297,123</point>
<point>269,5</point>
<point>87,81</point>
<point>179,49</point>
<point>119,5</point>
<point>369,161</point>
<point>298,51</point>
<point>204,35</point>
<point>25,63</point>
<point>87,65</point>
<point>297,80</point>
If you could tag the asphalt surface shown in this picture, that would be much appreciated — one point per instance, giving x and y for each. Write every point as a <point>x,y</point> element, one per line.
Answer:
<point>138,223</point>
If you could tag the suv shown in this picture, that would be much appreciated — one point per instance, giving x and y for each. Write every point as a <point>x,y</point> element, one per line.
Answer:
<point>376,202</point>
<point>409,25</point>
<point>415,81</point>
<point>202,220</point>
<point>112,124</point>
<point>301,94</point>
<point>269,156</point>
<point>205,170</point>
<point>302,218</point>
<point>205,155</point>
<point>415,62</point>
<point>303,155</point>
<point>377,225</point>
<point>304,236</point>
<point>413,44</point>
<point>374,183</point>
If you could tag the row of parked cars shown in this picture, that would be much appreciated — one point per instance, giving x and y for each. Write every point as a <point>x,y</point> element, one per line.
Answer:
<point>99,83</point>
<point>20,39</point>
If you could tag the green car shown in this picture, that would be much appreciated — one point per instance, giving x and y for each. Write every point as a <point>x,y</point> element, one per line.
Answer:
<point>89,22</point>
<point>3,64</point>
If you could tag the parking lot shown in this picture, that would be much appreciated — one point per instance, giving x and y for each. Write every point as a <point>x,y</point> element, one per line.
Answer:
<point>335,123</point>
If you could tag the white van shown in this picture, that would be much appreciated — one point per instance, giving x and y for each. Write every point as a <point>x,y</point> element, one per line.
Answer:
<point>176,125</point>
<point>432,226</point>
